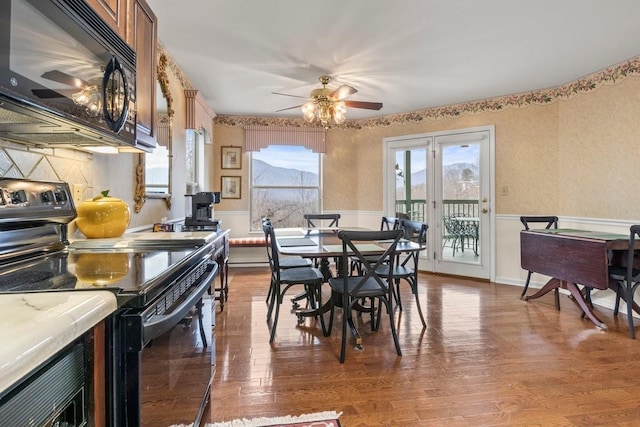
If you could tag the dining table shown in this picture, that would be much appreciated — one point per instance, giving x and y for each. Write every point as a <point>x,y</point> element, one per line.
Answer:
<point>324,244</point>
<point>572,257</point>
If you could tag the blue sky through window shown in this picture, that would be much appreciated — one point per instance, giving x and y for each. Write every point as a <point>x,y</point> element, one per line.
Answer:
<point>288,156</point>
<point>467,153</point>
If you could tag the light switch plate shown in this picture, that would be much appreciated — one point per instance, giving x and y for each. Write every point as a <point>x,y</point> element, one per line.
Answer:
<point>77,193</point>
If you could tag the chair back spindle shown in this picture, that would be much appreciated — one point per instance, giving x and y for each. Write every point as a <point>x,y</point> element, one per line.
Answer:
<point>316,220</point>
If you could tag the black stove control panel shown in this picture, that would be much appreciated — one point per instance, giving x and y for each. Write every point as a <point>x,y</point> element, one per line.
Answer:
<point>27,200</point>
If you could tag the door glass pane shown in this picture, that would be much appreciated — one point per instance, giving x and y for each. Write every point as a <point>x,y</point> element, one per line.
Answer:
<point>460,202</point>
<point>411,184</point>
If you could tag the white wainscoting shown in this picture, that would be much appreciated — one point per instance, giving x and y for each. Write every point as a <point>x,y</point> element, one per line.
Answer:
<point>507,240</point>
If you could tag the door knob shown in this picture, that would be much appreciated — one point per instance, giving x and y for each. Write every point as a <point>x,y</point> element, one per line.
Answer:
<point>485,210</point>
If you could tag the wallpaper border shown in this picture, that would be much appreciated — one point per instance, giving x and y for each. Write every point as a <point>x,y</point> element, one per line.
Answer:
<point>174,67</point>
<point>608,76</point>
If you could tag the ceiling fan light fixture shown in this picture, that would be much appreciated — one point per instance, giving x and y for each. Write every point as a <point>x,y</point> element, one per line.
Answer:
<point>326,105</point>
<point>309,112</point>
<point>324,113</point>
<point>339,112</point>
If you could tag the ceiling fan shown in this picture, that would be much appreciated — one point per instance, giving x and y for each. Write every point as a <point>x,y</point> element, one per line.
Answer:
<point>325,104</point>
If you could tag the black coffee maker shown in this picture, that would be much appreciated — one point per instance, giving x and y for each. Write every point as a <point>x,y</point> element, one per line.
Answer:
<point>201,215</point>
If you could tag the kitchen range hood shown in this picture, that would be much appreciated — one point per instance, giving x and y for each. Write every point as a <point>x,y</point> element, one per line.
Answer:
<point>28,125</point>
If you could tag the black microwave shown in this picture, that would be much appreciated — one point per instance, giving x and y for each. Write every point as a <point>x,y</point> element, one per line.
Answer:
<point>66,78</point>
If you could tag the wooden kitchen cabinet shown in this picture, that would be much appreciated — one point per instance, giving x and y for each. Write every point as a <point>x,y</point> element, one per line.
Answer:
<point>98,354</point>
<point>136,23</point>
<point>143,39</point>
<point>113,12</point>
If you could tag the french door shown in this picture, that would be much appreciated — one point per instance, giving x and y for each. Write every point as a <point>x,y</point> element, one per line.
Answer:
<point>446,180</point>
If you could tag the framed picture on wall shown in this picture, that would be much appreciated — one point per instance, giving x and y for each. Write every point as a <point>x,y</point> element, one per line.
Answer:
<point>230,187</point>
<point>231,157</point>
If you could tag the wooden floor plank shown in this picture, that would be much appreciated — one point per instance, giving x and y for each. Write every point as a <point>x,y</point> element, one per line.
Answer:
<point>486,358</point>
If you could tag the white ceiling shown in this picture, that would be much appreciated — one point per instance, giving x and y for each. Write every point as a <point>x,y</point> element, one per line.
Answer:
<point>408,54</point>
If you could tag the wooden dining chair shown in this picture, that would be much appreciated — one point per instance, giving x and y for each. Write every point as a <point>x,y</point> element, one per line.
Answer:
<point>350,290</point>
<point>406,265</point>
<point>549,222</point>
<point>626,280</point>
<point>282,280</point>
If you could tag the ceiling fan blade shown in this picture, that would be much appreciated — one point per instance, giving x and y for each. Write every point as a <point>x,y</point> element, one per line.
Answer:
<point>363,104</point>
<point>290,108</point>
<point>64,78</point>
<point>286,94</point>
<point>342,92</point>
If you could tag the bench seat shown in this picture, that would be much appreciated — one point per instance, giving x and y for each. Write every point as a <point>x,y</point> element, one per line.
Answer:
<point>247,242</point>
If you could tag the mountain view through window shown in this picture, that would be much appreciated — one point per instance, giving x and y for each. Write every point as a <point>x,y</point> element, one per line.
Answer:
<point>285,185</point>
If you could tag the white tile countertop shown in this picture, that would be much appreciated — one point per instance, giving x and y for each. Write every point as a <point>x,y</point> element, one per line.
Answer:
<point>36,326</point>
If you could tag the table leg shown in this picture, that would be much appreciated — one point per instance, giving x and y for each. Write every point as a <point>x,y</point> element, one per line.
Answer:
<point>324,268</point>
<point>221,294</point>
<point>549,286</point>
<point>326,273</point>
<point>354,330</point>
<point>334,299</point>
<point>578,298</point>
<point>316,311</point>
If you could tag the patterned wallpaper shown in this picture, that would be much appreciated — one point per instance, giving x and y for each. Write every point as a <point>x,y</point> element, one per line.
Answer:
<point>586,84</point>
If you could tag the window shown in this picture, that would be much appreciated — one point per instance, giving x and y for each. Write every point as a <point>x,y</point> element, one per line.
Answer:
<point>195,157</point>
<point>285,184</point>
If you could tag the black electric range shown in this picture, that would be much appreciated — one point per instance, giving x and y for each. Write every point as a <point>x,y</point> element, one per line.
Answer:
<point>161,284</point>
<point>136,275</point>
<point>36,254</point>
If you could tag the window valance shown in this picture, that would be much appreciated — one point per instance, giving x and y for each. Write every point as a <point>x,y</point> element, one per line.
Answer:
<point>258,137</point>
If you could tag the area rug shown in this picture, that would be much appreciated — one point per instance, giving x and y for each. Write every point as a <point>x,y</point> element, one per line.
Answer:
<point>318,419</point>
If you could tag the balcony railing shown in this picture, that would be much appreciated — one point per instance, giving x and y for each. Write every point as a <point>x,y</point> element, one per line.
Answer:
<point>415,208</point>
<point>452,207</point>
<point>454,239</point>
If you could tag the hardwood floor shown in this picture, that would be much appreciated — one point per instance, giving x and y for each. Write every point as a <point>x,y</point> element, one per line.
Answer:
<point>486,358</point>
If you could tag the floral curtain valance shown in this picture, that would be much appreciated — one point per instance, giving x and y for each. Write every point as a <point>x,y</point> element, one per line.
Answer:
<point>258,137</point>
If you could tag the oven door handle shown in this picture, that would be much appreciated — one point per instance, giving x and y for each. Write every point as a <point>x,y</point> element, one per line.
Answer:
<point>162,323</point>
